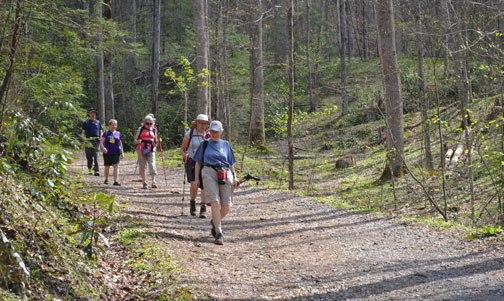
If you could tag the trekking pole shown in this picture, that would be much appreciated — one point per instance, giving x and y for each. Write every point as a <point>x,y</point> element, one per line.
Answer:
<point>249,177</point>
<point>162,160</point>
<point>183,197</point>
<point>82,161</point>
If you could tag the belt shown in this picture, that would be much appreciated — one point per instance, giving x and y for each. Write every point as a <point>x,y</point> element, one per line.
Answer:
<point>217,167</point>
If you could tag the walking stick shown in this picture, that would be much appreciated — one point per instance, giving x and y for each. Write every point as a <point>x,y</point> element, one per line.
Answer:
<point>82,161</point>
<point>183,197</point>
<point>162,160</point>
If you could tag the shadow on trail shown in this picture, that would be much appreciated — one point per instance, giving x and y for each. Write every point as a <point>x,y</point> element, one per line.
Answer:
<point>414,279</point>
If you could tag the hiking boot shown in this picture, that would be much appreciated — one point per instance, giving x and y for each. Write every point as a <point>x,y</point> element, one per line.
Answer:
<point>106,182</point>
<point>202,211</point>
<point>144,186</point>
<point>117,184</point>
<point>219,240</point>
<point>97,174</point>
<point>214,234</point>
<point>154,185</point>
<point>193,208</point>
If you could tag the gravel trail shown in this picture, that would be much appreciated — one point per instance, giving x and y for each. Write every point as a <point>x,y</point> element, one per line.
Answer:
<point>282,246</point>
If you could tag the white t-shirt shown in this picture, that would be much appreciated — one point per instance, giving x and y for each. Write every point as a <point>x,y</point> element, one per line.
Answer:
<point>197,138</point>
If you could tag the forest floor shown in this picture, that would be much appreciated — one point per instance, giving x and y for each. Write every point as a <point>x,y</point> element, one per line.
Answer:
<point>279,245</point>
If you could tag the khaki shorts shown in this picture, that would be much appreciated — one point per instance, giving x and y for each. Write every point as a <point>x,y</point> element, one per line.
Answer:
<point>149,161</point>
<point>215,192</point>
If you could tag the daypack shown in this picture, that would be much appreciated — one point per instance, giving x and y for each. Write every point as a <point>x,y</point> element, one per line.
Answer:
<point>207,135</point>
<point>146,146</point>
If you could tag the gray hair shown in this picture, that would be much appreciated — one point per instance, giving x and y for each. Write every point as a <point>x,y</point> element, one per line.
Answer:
<point>148,117</point>
<point>112,121</point>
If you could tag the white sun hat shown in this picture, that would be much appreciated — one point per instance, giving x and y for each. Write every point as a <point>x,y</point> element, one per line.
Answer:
<point>216,126</point>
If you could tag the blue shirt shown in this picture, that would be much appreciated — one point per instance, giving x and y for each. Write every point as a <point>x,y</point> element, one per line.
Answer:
<point>92,128</point>
<point>217,153</point>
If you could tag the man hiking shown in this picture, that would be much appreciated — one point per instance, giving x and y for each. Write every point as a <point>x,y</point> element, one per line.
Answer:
<point>92,131</point>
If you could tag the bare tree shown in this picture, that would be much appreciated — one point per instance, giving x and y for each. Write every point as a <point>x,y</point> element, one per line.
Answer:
<point>342,43</point>
<point>129,61</point>
<point>156,36</point>
<point>257,134</point>
<point>424,102</point>
<point>226,95</point>
<point>392,87</point>
<point>202,56</point>
<point>100,68</point>
<point>313,102</point>
<point>291,93</point>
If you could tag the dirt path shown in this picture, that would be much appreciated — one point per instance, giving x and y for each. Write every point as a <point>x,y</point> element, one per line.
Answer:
<point>282,246</point>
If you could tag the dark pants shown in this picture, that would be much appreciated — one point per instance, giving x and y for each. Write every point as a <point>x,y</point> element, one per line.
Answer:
<point>92,155</point>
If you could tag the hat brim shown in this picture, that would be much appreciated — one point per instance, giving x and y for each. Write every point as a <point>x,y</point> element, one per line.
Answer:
<point>195,120</point>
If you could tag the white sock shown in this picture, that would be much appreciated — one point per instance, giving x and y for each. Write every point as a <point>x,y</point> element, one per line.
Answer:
<point>218,229</point>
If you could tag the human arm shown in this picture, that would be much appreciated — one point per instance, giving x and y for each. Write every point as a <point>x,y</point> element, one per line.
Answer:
<point>235,180</point>
<point>122,149</point>
<point>197,169</point>
<point>102,146</point>
<point>184,147</point>
<point>136,140</point>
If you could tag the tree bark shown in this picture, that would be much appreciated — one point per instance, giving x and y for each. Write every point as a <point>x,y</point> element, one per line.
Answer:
<point>424,102</point>
<point>226,96</point>
<point>109,88</point>
<point>257,134</point>
<point>342,41</point>
<point>202,63</point>
<point>12,53</point>
<point>291,93</point>
<point>392,88</point>
<point>312,101</point>
<point>129,60</point>
<point>100,68</point>
<point>156,37</point>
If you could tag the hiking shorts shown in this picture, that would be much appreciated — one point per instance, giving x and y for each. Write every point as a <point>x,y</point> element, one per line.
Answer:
<point>109,160</point>
<point>214,192</point>
<point>189,169</point>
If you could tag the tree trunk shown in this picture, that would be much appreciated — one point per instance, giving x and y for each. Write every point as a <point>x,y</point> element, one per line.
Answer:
<point>100,76</point>
<point>129,61</point>
<point>12,54</point>
<point>217,64</point>
<point>257,134</point>
<point>156,36</point>
<point>202,64</point>
<point>291,93</point>
<point>424,102</point>
<point>312,101</point>
<point>226,97</point>
<point>109,88</point>
<point>392,88</point>
<point>342,41</point>
<point>364,30</point>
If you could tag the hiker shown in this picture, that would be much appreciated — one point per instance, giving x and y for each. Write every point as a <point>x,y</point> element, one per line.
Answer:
<point>91,132</point>
<point>214,160</point>
<point>146,140</point>
<point>192,139</point>
<point>111,144</point>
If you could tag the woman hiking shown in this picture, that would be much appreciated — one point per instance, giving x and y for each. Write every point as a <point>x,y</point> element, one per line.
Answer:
<point>111,144</point>
<point>192,140</point>
<point>215,161</point>
<point>146,139</point>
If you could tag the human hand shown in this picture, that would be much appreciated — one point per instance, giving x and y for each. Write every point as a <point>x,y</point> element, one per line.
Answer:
<point>105,150</point>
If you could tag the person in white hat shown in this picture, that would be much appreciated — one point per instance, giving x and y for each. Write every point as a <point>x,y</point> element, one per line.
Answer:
<point>215,161</point>
<point>192,140</point>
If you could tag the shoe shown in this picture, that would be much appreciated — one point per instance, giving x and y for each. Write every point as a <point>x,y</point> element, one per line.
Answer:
<point>214,234</point>
<point>106,182</point>
<point>202,211</point>
<point>193,208</point>
<point>154,185</point>
<point>117,184</point>
<point>144,186</point>
<point>97,174</point>
<point>219,240</point>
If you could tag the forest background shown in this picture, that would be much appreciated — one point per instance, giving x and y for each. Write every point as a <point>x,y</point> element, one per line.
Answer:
<point>231,60</point>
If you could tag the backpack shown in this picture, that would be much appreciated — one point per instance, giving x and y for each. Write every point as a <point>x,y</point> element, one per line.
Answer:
<point>147,147</point>
<point>207,135</point>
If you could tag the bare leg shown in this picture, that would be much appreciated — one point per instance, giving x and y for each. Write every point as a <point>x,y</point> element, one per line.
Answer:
<point>218,213</point>
<point>107,171</point>
<point>116,172</point>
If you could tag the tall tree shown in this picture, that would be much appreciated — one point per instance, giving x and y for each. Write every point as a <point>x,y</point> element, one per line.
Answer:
<point>342,43</point>
<point>290,16</point>
<point>156,37</point>
<point>129,60</point>
<point>202,56</point>
<point>108,61</point>
<point>100,68</point>
<point>226,96</point>
<point>424,102</point>
<point>257,134</point>
<point>313,103</point>
<point>392,88</point>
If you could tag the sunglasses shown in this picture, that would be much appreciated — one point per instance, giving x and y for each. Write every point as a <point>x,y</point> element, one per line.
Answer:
<point>148,123</point>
